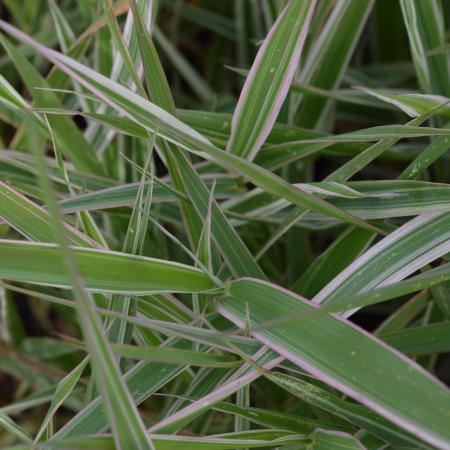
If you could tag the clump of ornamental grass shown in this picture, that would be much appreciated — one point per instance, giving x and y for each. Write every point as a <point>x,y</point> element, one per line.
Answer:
<point>224,225</point>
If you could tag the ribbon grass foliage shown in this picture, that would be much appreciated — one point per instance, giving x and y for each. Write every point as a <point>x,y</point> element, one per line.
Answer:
<point>224,224</point>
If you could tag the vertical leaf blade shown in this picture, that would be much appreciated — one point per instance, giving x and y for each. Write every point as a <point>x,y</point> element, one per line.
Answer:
<point>269,79</point>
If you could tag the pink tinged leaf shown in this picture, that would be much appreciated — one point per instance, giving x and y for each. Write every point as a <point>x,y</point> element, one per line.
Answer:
<point>244,376</point>
<point>346,357</point>
<point>251,123</point>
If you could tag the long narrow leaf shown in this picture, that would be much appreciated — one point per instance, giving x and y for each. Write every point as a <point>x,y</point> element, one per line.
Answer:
<point>101,270</point>
<point>268,82</point>
<point>347,358</point>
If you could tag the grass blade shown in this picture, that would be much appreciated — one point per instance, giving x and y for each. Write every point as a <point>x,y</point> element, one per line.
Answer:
<point>367,362</point>
<point>101,270</point>
<point>269,79</point>
<point>329,56</point>
<point>65,130</point>
<point>393,258</point>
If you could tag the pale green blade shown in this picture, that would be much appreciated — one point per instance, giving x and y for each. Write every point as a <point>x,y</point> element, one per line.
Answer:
<point>329,56</point>
<point>326,439</point>
<point>269,79</point>
<point>101,270</point>
<point>32,220</point>
<point>354,413</point>
<point>63,390</point>
<point>345,357</point>
<point>231,441</point>
<point>401,253</point>
<point>73,143</point>
<point>426,30</point>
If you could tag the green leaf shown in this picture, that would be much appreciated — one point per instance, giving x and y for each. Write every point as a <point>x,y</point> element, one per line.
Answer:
<point>125,194</point>
<point>65,34</point>
<point>356,414</point>
<point>156,119</point>
<point>326,439</point>
<point>329,56</point>
<point>173,356</point>
<point>101,270</point>
<point>254,439</point>
<point>401,253</point>
<point>268,82</point>
<point>33,221</point>
<point>126,423</point>
<point>375,200</point>
<point>142,380</point>
<point>247,373</point>
<point>346,357</point>
<point>275,419</point>
<point>11,427</point>
<point>121,45</point>
<point>426,339</point>
<point>63,390</point>
<point>438,147</point>
<point>184,67</point>
<point>72,141</point>
<point>412,104</point>
<point>184,175</point>
<point>337,256</point>
<point>426,30</point>
<point>383,132</point>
